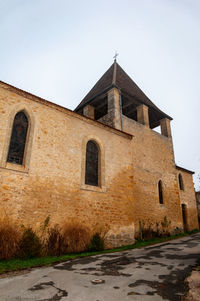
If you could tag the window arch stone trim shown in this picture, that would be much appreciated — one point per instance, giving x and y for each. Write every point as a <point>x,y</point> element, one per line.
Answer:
<point>101,165</point>
<point>28,144</point>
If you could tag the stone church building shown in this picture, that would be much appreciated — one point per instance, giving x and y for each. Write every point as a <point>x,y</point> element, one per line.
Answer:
<point>101,164</point>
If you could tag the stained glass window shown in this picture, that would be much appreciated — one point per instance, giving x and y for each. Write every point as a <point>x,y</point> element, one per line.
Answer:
<point>18,139</point>
<point>91,168</point>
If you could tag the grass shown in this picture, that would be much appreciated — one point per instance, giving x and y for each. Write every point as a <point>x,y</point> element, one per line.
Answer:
<point>21,264</point>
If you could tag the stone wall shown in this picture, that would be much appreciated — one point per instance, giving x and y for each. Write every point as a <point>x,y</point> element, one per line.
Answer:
<point>153,160</point>
<point>51,183</point>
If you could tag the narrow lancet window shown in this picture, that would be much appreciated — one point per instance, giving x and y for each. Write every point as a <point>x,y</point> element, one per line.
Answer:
<point>180,180</point>
<point>18,139</point>
<point>160,192</point>
<point>92,163</point>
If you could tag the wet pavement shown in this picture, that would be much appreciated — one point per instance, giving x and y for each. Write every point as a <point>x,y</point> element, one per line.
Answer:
<point>152,273</point>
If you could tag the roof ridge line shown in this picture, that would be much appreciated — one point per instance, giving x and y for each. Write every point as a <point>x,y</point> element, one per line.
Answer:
<point>114,73</point>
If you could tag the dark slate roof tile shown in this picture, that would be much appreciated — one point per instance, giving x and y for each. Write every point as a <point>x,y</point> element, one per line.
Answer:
<point>124,83</point>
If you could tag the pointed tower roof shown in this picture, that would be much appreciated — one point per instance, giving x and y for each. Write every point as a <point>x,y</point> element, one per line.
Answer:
<point>132,95</point>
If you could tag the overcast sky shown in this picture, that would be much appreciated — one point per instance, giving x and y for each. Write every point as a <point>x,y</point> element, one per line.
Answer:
<point>58,49</point>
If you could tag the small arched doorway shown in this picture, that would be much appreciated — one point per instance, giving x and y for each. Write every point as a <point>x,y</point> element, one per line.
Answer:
<point>184,215</point>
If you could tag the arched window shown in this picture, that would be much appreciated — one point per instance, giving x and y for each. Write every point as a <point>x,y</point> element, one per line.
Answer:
<point>18,139</point>
<point>160,192</point>
<point>92,164</point>
<point>180,180</point>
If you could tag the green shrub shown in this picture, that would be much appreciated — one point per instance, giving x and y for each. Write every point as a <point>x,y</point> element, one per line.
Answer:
<point>165,227</point>
<point>148,232</point>
<point>30,244</point>
<point>55,244</point>
<point>97,243</point>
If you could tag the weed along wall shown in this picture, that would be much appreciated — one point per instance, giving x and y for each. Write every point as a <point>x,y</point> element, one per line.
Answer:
<point>101,165</point>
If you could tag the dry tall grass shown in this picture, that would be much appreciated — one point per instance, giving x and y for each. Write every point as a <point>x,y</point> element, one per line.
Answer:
<point>149,230</point>
<point>54,242</point>
<point>76,236</point>
<point>72,237</point>
<point>9,238</point>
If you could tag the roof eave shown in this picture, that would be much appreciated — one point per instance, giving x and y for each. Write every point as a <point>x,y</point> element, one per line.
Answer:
<point>184,169</point>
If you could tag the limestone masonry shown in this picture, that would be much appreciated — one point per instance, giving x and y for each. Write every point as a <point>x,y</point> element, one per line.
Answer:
<point>101,164</point>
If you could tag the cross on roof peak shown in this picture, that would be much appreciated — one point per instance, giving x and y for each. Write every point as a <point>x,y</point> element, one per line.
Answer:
<point>115,56</point>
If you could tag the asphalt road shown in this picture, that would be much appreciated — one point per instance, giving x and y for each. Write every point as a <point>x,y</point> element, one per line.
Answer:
<point>152,273</point>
